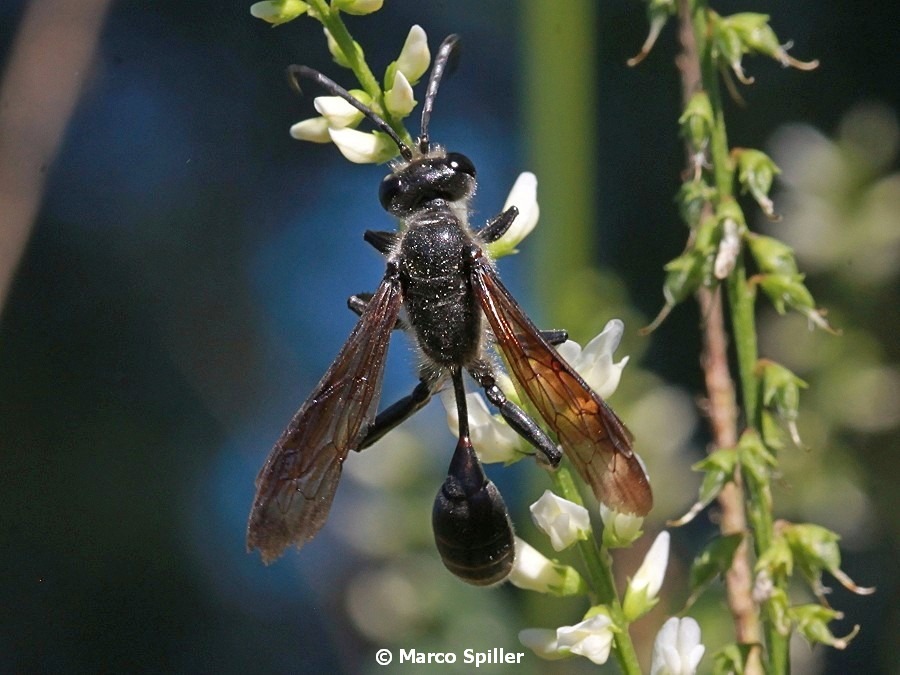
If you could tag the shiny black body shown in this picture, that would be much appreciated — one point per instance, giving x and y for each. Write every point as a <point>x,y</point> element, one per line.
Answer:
<point>456,310</point>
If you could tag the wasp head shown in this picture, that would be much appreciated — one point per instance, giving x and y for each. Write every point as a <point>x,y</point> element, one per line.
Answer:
<point>438,175</point>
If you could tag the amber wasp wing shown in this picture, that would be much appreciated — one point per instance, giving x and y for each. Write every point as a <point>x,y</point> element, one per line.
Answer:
<point>595,440</point>
<point>296,485</point>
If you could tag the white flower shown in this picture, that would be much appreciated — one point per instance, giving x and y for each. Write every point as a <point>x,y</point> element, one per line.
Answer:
<point>563,521</point>
<point>315,129</point>
<point>335,50</point>
<point>278,11</point>
<point>361,147</point>
<point>619,529</point>
<point>337,112</point>
<point>533,571</point>
<point>542,641</point>
<point>493,439</point>
<point>642,591</point>
<point>524,197</point>
<point>592,638</point>
<point>595,362</point>
<point>414,57</point>
<point>677,649</point>
<point>399,99</point>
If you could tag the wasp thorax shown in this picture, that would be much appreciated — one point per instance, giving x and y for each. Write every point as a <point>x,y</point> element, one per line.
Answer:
<point>450,177</point>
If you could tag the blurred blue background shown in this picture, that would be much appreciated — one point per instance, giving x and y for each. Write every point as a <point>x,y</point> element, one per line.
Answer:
<point>184,287</point>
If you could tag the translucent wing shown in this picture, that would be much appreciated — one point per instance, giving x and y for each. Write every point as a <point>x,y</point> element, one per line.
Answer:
<point>593,437</point>
<point>295,487</point>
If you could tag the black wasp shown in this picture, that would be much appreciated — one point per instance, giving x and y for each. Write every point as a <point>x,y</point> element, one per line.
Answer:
<point>456,308</point>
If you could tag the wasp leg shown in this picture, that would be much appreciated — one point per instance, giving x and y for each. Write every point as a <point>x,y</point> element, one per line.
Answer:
<point>517,418</point>
<point>498,225</point>
<point>472,530</point>
<point>382,240</point>
<point>394,414</point>
<point>357,304</point>
<point>555,336</point>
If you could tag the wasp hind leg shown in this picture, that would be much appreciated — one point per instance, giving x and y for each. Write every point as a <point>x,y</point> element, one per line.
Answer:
<point>521,422</point>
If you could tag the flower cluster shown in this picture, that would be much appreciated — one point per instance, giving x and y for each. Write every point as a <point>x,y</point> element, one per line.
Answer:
<point>338,119</point>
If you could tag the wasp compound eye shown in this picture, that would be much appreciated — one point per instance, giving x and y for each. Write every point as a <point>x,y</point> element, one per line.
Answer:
<point>459,162</point>
<point>388,191</point>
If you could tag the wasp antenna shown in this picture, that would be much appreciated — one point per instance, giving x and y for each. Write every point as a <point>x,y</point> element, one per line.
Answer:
<point>332,87</point>
<point>441,61</point>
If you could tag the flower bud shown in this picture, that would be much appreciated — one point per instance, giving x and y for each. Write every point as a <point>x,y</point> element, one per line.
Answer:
<point>756,171</point>
<point>277,12</point>
<point>812,622</point>
<point>781,392</point>
<point>399,99</point>
<point>693,197</point>
<point>337,53</point>
<point>658,13</point>
<point>357,7</point>
<point>697,120</point>
<point>413,60</point>
<point>718,468</point>
<point>642,591</point>
<point>815,548</point>
<point>619,529</point>
<point>771,255</point>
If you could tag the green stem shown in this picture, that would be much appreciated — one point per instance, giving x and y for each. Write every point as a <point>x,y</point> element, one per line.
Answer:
<point>741,300</point>
<point>331,19</point>
<point>598,567</point>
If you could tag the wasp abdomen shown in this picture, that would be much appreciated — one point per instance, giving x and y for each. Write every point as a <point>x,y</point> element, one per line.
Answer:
<point>471,526</point>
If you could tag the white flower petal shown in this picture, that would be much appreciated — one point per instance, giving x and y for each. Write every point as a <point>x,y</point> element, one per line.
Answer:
<point>532,571</point>
<point>620,529</point>
<point>570,351</point>
<point>314,129</point>
<point>592,638</point>
<point>337,111</point>
<point>563,521</point>
<point>414,57</point>
<point>595,362</point>
<point>677,649</point>
<point>652,571</point>
<point>399,99</point>
<point>642,591</point>
<point>542,641</point>
<point>362,148</point>
<point>524,197</point>
<point>493,439</point>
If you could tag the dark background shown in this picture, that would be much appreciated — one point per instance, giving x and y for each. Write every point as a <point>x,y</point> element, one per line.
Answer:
<point>184,285</point>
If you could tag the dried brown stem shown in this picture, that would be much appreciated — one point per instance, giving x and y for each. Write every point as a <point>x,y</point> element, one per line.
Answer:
<point>722,405</point>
